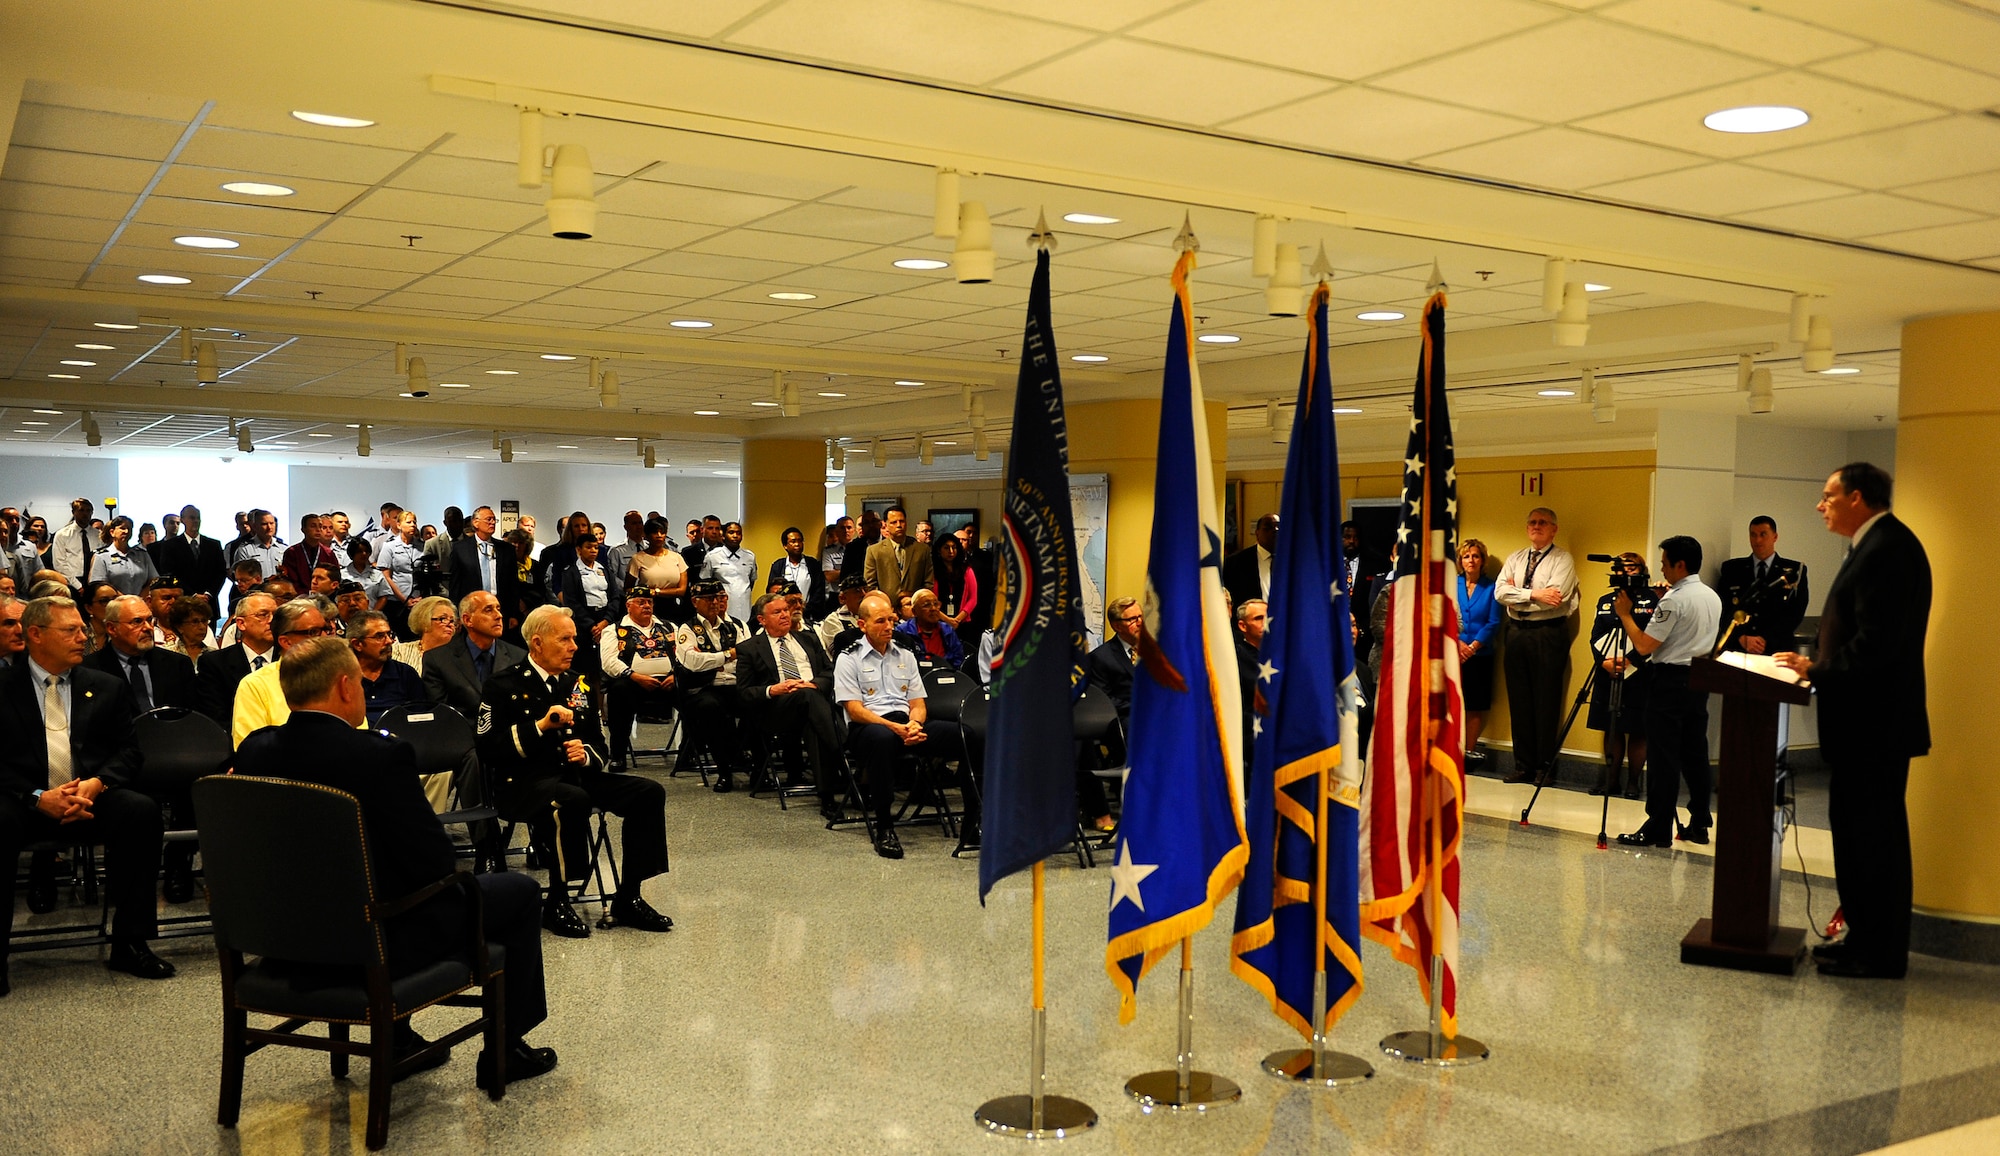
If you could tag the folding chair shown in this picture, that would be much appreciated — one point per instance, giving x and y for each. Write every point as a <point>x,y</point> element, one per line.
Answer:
<point>181,746</point>
<point>1093,720</point>
<point>288,881</point>
<point>972,716</point>
<point>444,743</point>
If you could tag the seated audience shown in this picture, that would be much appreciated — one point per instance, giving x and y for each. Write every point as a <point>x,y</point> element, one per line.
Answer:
<point>705,669</point>
<point>408,849</point>
<point>388,684</point>
<point>188,632</point>
<point>1111,664</point>
<point>927,632</point>
<point>433,621</point>
<point>882,691</point>
<point>787,685</point>
<point>591,593</point>
<point>456,674</point>
<point>260,700</point>
<point>64,774</point>
<point>842,628</point>
<point>222,670</point>
<point>12,642</point>
<point>638,664</point>
<point>539,737</point>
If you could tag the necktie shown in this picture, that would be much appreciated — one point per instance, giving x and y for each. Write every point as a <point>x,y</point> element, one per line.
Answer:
<point>1763,570</point>
<point>786,666</point>
<point>55,721</point>
<point>141,685</point>
<point>1534,559</point>
<point>482,665</point>
<point>257,664</point>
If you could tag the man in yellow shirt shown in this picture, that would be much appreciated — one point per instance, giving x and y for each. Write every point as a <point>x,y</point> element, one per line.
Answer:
<point>260,701</point>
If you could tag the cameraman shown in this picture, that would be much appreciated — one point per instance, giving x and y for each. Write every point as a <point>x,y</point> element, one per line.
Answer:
<point>1624,732</point>
<point>1683,627</point>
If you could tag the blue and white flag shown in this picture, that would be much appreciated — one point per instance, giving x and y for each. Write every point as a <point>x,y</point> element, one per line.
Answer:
<point>1306,735</point>
<point>1180,843</point>
<point>1038,672</point>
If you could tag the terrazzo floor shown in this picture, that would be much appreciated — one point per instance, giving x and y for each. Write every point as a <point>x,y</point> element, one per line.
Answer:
<point>815,997</point>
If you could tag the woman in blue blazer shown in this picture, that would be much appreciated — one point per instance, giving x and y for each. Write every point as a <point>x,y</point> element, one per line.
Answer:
<point>1478,631</point>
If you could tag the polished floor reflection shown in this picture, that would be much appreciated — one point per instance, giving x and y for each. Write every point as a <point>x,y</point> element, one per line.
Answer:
<point>813,996</point>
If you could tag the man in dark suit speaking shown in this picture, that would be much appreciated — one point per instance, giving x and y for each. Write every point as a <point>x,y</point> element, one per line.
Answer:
<point>407,847</point>
<point>1868,674</point>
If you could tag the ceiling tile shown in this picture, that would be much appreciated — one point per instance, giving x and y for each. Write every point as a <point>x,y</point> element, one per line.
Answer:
<point>702,18</point>
<point>1965,242</point>
<point>1166,84</point>
<point>649,233</point>
<point>370,233</point>
<point>33,201</point>
<point>1748,30</point>
<point>79,170</point>
<point>290,156</point>
<point>49,126</point>
<point>924,37</point>
<point>1561,158</point>
<point>1367,122</point>
<point>1941,28</point>
<point>1981,192</point>
<point>689,203</point>
<point>227,219</point>
<point>411,207</point>
<point>1344,39</point>
<point>1720,190</point>
<point>1838,110</point>
<point>790,248</point>
<point>464,177</point>
<point>1917,77</point>
<point>547,250</point>
<point>844,223</point>
<point>1865,213</point>
<point>1602,66</point>
<point>1956,146</point>
<point>1103,15</point>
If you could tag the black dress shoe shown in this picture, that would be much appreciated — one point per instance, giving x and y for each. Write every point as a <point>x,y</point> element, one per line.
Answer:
<point>1823,952</point>
<point>887,845</point>
<point>1694,834</point>
<point>562,919</point>
<point>1851,967</point>
<point>617,766</point>
<point>133,957</point>
<point>523,1063</point>
<point>632,911</point>
<point>178,886</point>
<point>1644,837</point>
<point>4,989</point>
<point>409,1043</point>
<point>1604,784</point>
<point>42,882</point>
<point>1522,776</point>
<point>724,784</point>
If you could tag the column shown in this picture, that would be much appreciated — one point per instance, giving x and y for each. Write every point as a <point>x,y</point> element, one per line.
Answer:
<point>784,484</point>
<point>1948,424</point>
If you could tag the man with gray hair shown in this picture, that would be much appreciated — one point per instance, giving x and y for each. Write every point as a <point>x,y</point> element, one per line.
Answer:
<point>1537,587</point>
<point>12,642</point>
<point>260,700</point>
<point>388,683</point>
<point>539,737</point>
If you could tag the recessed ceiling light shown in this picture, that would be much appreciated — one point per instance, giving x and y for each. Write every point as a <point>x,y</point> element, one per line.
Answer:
<point>504,372</point>
<point>1555,393</point>
<point>1841,370</point>
<point>319,435</point>
<point>1378,315</point>
<point>354,425</point>
<point>909,383</point>
<point>1594,287</point>
<point>619,439</point>
<point>690,323</point>
<point>328,120</point>
<point>93,345</point>
<point>921,263</point>
<point>475,457</point>
<point>765,404</point>
<point>257,189</point>
<point>1755,118</point>
<point>723,473</point>
<point>792,296</point>
<point>1219,338</point>
<point>1345,409</point>
<point>825,393</point>
<point>163,279</point>
<point>1088,357</point>
<point>113,325</point>
<point>1089,219</point>
<point>558,357</point>
<point>415,393</point>
<point>708,413</point>
<point>287,445</point>
<point>66,376</point>
<point>453,385</point>
<point>68,361</point>
<point>51,412</point>
<point>206,242</point>
<point>942,442</point>
<point>718,461</point>
<point>565,447</point>
<point>26,422</point>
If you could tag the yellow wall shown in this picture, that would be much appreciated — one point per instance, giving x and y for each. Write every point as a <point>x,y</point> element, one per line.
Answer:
<point>1603,500</point>
<point>784,484</point>
<point>1946,473</point>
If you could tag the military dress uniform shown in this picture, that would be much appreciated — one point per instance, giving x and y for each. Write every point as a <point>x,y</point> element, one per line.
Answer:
<point>622,651</point>
<point>1772,594</point>
<point>535,784</point>
<point>884,683</point>
<point>705,670</point>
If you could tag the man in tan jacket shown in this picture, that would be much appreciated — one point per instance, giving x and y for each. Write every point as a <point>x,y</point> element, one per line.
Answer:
<point>897,565</point>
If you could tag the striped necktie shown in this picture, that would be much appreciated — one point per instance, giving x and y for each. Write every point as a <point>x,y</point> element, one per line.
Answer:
<point>787,666</point>
<point>55,720</point>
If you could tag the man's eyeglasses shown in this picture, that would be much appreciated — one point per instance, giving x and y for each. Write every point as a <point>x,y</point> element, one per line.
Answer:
<point>308,632</point>
<point>1131,618</point>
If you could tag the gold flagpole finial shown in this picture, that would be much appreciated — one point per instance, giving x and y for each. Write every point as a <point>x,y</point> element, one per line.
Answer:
<point>1322,267</point>
<point>1186,241</point>
<point>1437,284</point>
<point>1043,238</point>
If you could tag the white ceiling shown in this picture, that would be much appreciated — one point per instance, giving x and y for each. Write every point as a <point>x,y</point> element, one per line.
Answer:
<point>113,153</point>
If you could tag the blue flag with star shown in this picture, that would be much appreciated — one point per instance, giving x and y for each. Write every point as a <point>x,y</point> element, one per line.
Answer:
<point>1307,737</point>
<point>1180,846</point>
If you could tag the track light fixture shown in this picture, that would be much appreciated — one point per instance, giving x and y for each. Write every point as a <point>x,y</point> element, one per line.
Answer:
<point>1745,366</point>
<point>232,427</point>
<point>790,399</point>
<point>1801,326</point>
<point>507,450</point>
<point>980,450</point>
<point>651,460</point>
<point>607,390</point>
<point>978,414</point>
<point>778,386</point>
<point>362,446</point>
<point>1572,323</point>
<point>1761,398</point>
<point>1555,275</point>
<point>243,443</point>
<point>92,435</point>
<point>881,453</point>
<point>1263,245</point>
<point>1603,404</point>
<point>965,398</point>
<point>926,451</point>
<point>530,176</point>
<point>496,439</point>
<point>572,205</point>
<point>420,378</point>
<point>973,255</point>
<point>1284,296</point>
<point>1817,356</point>
<point>402,359</point>
<point>187,345</point>
<point>204,364</point>
<point>944,216</point>
<point>838,458</point>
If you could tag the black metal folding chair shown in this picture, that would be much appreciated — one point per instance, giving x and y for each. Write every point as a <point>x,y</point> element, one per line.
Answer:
<point>180,746</point>
<point>445,743</point>
<point>1094,723</point>
<point>289,884</point>
<point>972,716</point>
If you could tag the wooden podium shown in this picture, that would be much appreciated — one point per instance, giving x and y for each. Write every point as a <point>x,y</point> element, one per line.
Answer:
<point>1744,932</point>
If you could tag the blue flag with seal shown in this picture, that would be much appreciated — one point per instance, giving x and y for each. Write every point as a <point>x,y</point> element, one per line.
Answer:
<point>1029,808</point>
<point>1306,737</point>
<point>1180,845</point>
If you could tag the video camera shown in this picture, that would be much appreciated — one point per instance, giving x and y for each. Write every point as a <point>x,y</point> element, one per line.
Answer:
<point>1618,578</point>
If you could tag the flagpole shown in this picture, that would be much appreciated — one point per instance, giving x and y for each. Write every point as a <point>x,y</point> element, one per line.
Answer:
<point>1037,1115</point>
<point>1183,1087</point>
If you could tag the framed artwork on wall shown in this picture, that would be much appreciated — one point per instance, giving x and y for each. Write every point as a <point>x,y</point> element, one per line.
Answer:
<point>951,519</point>
<point>879,506</point>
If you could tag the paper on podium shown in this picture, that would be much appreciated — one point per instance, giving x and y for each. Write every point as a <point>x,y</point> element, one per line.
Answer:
<point>1762,664</point>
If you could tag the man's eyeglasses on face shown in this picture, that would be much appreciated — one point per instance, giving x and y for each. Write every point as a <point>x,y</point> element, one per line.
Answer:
<point>376,636</point>
<point>308,632</point>
<point>1131,618</point>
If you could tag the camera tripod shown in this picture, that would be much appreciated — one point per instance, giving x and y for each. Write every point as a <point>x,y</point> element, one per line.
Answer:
<point>1616,705</point>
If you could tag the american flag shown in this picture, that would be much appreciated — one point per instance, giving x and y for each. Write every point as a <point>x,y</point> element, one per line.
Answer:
<point>1413,800</point>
